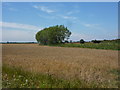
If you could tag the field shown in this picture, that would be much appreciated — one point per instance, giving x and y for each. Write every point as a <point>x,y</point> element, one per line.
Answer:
<point>31,65</point>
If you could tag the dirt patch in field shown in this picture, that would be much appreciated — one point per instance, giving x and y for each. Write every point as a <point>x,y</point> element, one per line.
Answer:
<point>63,62</point>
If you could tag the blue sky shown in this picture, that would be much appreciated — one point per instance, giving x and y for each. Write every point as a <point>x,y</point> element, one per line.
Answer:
<point>86,20</point>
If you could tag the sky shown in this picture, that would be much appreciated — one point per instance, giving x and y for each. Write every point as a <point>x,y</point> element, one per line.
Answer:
<point>86,20</point>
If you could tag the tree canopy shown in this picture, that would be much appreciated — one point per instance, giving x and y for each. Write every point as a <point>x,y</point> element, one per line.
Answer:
<point>53,35</point>
<point>82,41</point>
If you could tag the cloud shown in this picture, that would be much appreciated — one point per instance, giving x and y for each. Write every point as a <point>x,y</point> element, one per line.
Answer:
<point>18,35</point>
<point>19,26</point>
<point>78,36</point>
<point>69,13</point>
<point>18,32</point>
<point>12,9</point>
<point>73,12</point>
<point>68,17</point>
<point>44,9</point>
<point>0,34</point>
<point>91,25</point>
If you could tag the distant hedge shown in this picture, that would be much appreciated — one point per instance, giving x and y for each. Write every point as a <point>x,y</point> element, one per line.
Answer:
<point>96,41</point>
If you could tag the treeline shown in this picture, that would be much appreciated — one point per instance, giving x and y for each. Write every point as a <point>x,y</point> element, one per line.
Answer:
<point>17,42</point>
<point>82,41</point>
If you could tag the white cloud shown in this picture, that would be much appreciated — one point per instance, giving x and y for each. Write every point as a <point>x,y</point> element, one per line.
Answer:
<point>18,35</point>
<point>19,26</point>
<point>73,12</point>
<point>91,25</point>
<point>69,13</point>
<point>44,9</point>
<point>0,34</point>
<point>18,32</point>
<point>12,9</point>
<point>78,36</point>
<point>68,17</point>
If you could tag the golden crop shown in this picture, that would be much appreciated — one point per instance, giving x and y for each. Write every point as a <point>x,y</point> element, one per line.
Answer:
<point>68,63</point>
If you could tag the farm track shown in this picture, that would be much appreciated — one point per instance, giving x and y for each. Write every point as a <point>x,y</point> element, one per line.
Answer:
<point>68,63</point>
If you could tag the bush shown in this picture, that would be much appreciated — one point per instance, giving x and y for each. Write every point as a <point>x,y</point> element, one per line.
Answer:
<point>96,41</point>
<point>66,41</point>
<point>70,41</point>
<point>82,41</point>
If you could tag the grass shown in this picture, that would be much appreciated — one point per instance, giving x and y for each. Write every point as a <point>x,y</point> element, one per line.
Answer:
<point>108,45</point>
<point>17,78</point>
<point>117,73</point>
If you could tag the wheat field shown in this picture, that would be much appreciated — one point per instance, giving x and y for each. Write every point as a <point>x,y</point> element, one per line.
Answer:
<point>90,65</point>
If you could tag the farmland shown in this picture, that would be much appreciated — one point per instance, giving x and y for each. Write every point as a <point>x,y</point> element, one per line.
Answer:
<point>31,65</point>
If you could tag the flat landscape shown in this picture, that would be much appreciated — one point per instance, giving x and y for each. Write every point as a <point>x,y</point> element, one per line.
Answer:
<point>88,65</point>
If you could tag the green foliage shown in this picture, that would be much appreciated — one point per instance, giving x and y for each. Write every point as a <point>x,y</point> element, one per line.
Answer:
<point>109,44</point>
<point>70,41</point>
<point>96,41</point>
<point>66,41</point>
<point>82,41</point>
<point>116,72</point>
<point>53,35</point>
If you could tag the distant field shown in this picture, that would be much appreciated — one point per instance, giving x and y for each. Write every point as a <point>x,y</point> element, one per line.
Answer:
<point>31,65</point>
<point>108,45</point>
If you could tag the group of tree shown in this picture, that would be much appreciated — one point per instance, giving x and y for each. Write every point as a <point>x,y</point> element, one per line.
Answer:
<point>96,41</point>
<point>53,35</point>
<point>56,35</point>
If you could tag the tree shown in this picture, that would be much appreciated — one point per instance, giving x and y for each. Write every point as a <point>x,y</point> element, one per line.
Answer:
<point>70,41</point>
<point>82,41</point>
<point>66,41</point>
<point>53,35</point>
<point>96,41</point>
